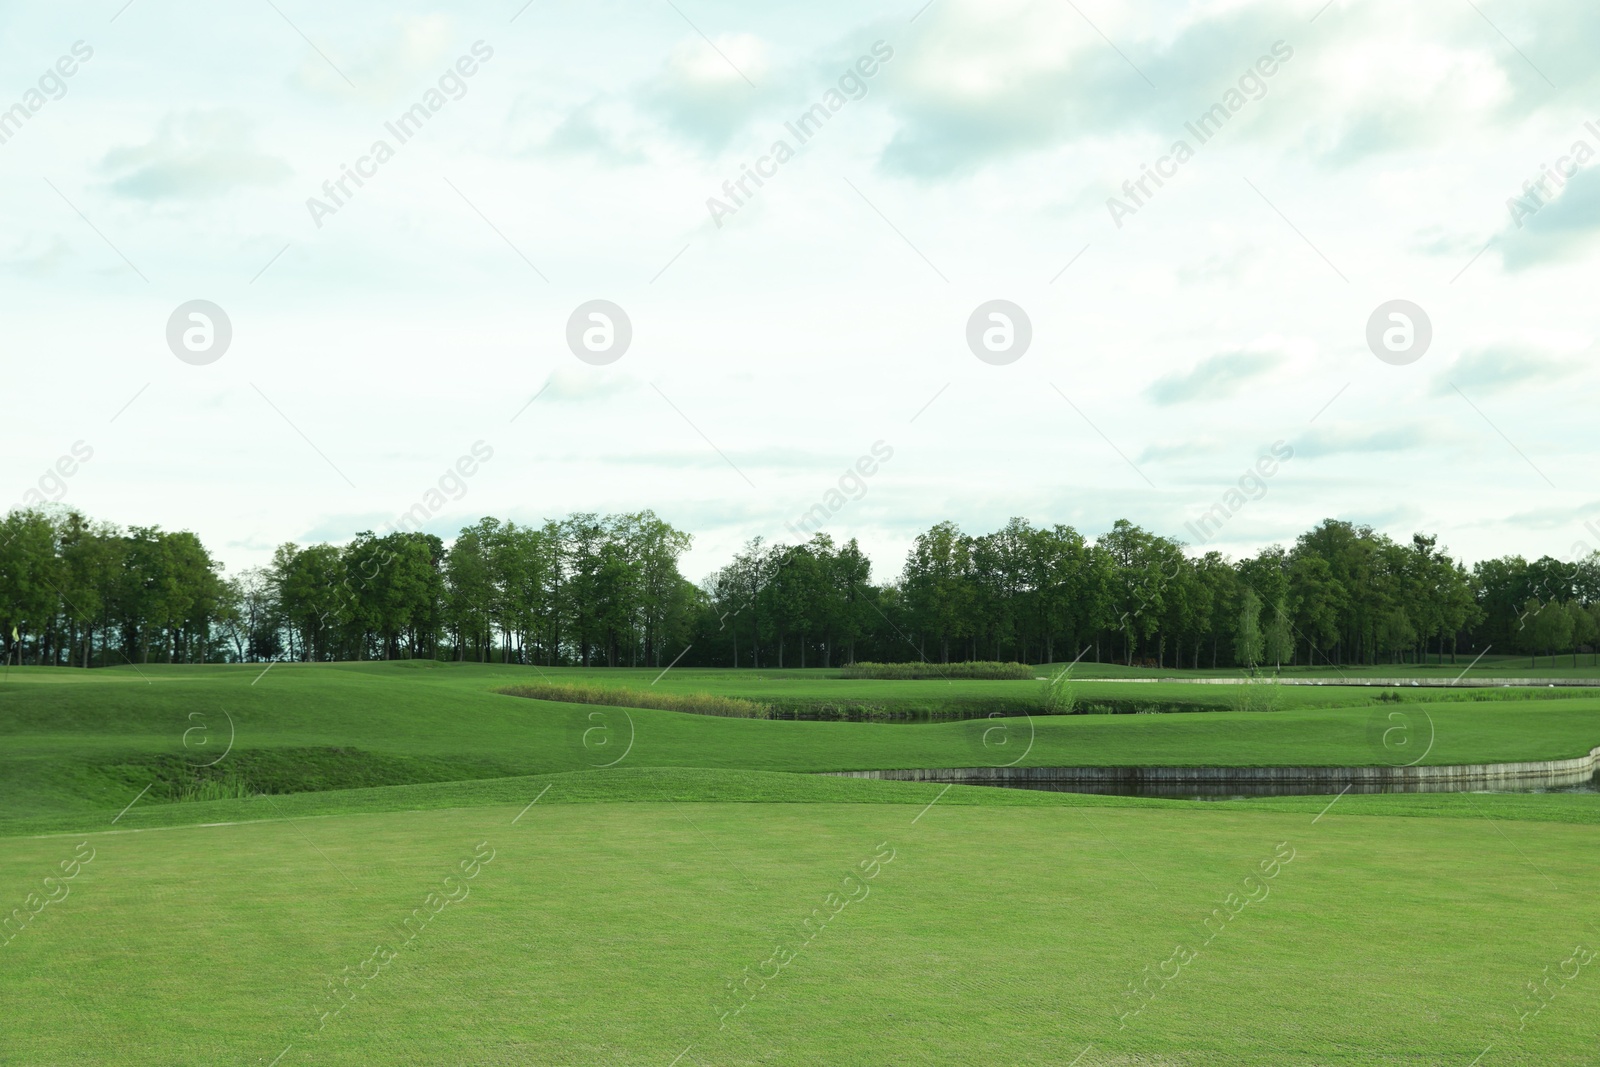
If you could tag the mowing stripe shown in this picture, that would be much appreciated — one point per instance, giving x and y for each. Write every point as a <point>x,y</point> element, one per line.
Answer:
<point>531,803</point>
<point>931,803</point>
<point>131,803</point>
<point>1331,803</point>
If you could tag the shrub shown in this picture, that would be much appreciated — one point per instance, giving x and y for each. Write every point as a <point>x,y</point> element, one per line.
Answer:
<point>1059,697</point>
<point>693,703</point>
<point>1257,692</point>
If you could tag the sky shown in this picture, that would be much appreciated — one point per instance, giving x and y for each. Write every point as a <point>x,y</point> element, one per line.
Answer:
<point>1319,168</point>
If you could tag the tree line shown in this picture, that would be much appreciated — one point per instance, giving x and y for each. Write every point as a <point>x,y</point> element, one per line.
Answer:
<point>606,590</point>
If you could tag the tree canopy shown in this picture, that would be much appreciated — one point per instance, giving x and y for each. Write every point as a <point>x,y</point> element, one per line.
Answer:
<point>606,590</point>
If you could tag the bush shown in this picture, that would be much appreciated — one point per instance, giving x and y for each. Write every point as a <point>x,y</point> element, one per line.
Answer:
<point>989,670</point>
<point>693,703</point>
<point>1059,697</point>
<point>1257,692</point>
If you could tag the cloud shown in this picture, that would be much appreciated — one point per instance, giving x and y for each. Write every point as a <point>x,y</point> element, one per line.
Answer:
<point>30,260</point>
<point>972,86</point>
<point>1451,87</point>
<point>583,132</point>
<point>813,463</point>
<point>1190,449</point>
<point>197,155</point>
<point>700,95</point>
<point>985,80</point>
<point>1214,378</point>
<point>979,84</point>
<point>1218,267</point>
<point>1563,229</point>
<point>393,64</point>
<point>1344,439</point>
<point>1581,517</point>
<point>1501,366</point>
<point>582,387</point>
<point>1437,241</point>
<point>698,99</point>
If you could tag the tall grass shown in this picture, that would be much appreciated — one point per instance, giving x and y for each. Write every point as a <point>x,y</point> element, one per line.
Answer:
<point>1258,692</point>
<point>1059,696</point>
<point>984,669</point>
<point>227,787</point>
<point>694,703</point>
<point>1469,694</point>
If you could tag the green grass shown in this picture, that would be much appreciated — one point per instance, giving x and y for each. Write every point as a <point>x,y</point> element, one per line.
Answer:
<point>88,743</point>
<point>618,908</point>
<point>999,933</point>
<point>693,785</point>
<point>1489,667</point>
<point>659,699</point>
<point>991,669</point>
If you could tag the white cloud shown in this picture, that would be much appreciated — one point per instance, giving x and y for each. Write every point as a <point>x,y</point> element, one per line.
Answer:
<point>812,324</point>
<point>585,386</point>
<point>196,155</point>
<point>1213,378</point>
<point>1501,367</point>
<point>37,256</point>
<point>410,51</point>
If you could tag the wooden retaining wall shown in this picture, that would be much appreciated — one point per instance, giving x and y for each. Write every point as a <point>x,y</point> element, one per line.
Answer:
<point>1551,773</point>
<point>1401,683</point>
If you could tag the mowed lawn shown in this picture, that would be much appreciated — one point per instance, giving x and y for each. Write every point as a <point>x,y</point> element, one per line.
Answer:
<point>612,921</point>
<point>608,933</point>
<point>73,741</point>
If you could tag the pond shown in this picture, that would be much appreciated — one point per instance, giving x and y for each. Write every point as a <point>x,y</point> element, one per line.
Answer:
<point>1238,790</point>
<point>1580,775</point>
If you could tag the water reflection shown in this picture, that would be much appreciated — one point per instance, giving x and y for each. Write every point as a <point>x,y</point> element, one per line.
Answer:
<point>1131,787</point>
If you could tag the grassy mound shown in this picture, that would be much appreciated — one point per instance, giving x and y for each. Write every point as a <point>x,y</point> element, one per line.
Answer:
<point>244,840</point>
<point>88,741</point>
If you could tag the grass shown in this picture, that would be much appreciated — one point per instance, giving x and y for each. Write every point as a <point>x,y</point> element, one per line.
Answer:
<point>88,745</point>
<point>607,933</point>
<point>283,825</point>
<point>945,671</point>
<point>1466,665</point>
<point>700,786</point>
<point>694,703</point>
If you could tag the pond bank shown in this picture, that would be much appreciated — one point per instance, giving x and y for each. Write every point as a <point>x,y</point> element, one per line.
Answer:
<point>1521,777</point>
<point>1434,683</point>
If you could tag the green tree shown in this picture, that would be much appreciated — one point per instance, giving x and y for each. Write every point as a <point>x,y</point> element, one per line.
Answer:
<point>937,587</point>
<point>1248,641</point>
<point>1581,627</point>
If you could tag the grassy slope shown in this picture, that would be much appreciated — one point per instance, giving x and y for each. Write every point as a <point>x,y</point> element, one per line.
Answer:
<point>700,786</point>
<point>71,741</point>
<point>605,934</point>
